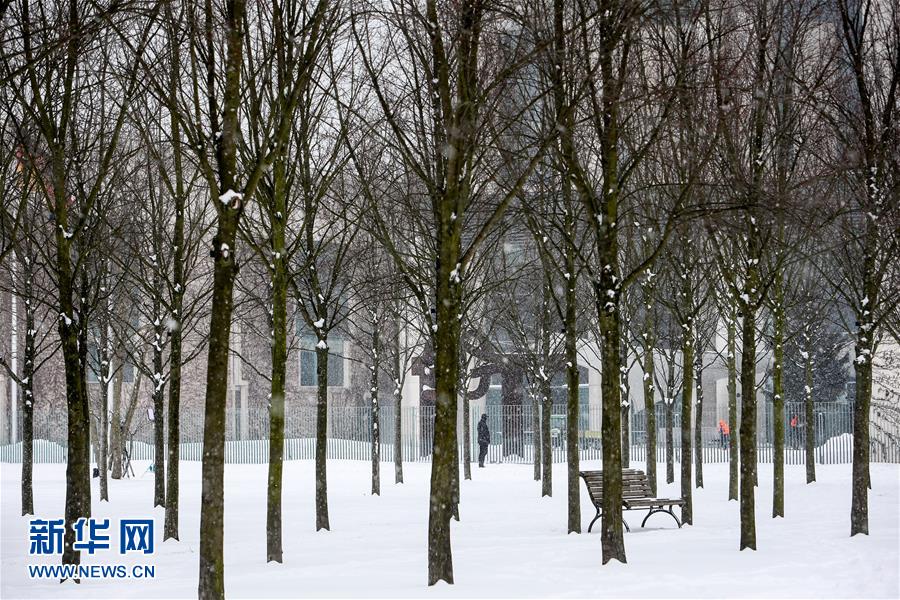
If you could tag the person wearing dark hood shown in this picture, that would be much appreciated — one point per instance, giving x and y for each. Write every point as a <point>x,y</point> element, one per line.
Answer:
<point>484,439</point>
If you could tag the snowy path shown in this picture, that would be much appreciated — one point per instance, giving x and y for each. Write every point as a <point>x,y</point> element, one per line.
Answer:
<point>510,543</point>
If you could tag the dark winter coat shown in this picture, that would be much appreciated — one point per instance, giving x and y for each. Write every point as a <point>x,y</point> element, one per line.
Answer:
<point>484,434</point>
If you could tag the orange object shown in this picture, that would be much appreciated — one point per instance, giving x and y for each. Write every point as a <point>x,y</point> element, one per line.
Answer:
<point>723,427</point>
<point>794,421</point>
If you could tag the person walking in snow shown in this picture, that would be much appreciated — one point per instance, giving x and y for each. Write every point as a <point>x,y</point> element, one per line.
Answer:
<point>724,431</point>
<point>484,439</point>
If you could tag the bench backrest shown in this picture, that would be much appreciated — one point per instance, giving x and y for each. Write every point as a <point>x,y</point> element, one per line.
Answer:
<point>635,484</point>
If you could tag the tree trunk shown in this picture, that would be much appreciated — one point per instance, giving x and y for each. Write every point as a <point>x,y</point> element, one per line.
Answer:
<point>537,429</point>
<point>810,441</point>
<point>103,377</point>
<point>78,477</point>
<point>748,424</point>
<point>322,433</point>
<point>546,408</point>
<point>611,539</point>
<point>159,450</point>
<point>734,428</point>
<point>467,432</point>
<point>670,438</point>
<point>116,436</point>
<point>398,410</point>
<point>687,389</point>
<point>279,367</point>
<point>27,391</point>
<point>778,396</point>
<point>212,567</point>
<point>698,421</point>
<point>170,527</point>
<point>650,402</point>
<point>446,345</point>
<point>573,400</point>
<point>546,395</point>
<point>859,499</point>
<point>373,390</point>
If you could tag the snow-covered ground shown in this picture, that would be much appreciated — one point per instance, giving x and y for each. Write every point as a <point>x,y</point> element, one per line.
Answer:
<point>510,542</point>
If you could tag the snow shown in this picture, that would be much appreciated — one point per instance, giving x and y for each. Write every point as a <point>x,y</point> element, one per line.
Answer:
<point>510,542</point>
<point>322,345</point>
<point>229,196</point>
<point>319,324</point>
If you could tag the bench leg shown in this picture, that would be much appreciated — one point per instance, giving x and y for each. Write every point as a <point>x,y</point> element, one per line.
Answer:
<point>661,510</point>
<point>597,516</point>
<point>594,520</point>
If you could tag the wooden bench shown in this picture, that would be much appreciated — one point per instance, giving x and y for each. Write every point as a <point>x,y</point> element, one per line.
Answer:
<point>636,495</point>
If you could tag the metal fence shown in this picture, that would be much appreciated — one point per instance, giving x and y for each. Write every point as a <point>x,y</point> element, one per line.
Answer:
<point>515,435</point>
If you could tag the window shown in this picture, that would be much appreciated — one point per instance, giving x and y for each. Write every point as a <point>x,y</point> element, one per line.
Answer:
<point>308,359</point>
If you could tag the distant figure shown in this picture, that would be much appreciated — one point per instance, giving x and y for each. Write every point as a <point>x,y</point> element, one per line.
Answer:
<point>724,432</point>
<point>795,422</point>
<point>484,439</point>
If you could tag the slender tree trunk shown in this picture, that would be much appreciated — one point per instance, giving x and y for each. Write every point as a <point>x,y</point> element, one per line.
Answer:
<point>116,436</point>
<point>670,436</point>
<point>650,401</point>
<point>546,441</point>
<point>212,567</point>
<point>444,468</point>
<point>322,434</point>
<point>778,396</point>
<point>103,377</point>
<point>687,388</point>
<point>748,425</point>
<point>573,400</point>
<point>373,390</point>
<point>27,391</point>
<point>625,387</point>
<point>274,550</point>
<point>159,449</point>
<point>546,395</point>
<point>810,441</point>
<point>398,408</point>
<point>611,538</point>
<point>27,388</point>
<point>78,477</point>
<point>467,431</point>
<point>537,437</point>
<point>566,151</point>
<point>698,421</point>
<point>865,352</point>
<point>734,428</point>
<point>170,527</point>
<point>859,501</point>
